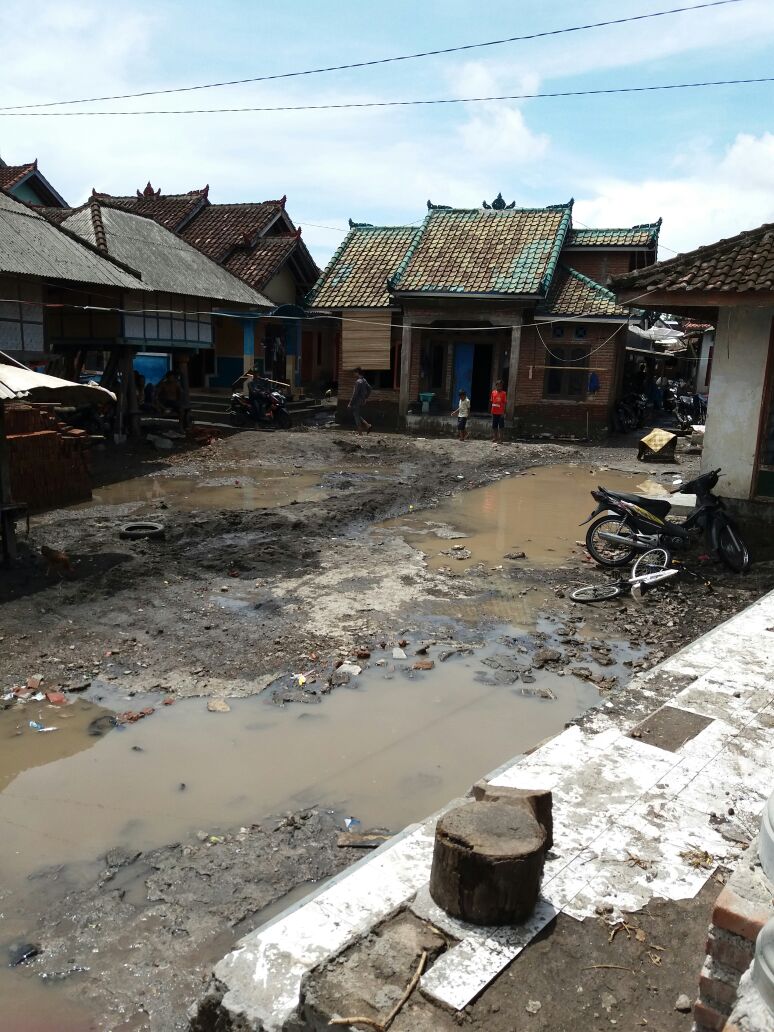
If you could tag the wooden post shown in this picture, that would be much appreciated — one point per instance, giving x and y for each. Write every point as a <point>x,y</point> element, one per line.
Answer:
<point>405,369</point>
<point>513,369</point>
<point>130,393</point>
<point>7,524</point>
<point>185,399</point>
<point>488,862</point>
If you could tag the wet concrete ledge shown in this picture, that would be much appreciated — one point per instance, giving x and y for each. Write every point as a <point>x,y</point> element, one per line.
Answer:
<point>619,792</point>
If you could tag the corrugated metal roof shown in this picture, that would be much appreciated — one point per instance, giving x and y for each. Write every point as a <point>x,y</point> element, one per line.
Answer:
<point>165,260</point>
<point>31,246</point>
<point>25,383</point>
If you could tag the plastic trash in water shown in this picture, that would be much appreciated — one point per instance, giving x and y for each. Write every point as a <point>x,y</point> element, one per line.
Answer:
<point>351,822</point>
<point>39,727</point>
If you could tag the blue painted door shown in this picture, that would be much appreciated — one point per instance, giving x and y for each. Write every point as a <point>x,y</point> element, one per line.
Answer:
<point>463,370</point>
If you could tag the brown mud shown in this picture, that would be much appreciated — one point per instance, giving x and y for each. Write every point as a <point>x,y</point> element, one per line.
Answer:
<point>234,602</point>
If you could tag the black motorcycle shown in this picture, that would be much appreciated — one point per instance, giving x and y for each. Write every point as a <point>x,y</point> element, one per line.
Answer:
<point>629,412</point>
<point>690,410</point>
<point>632,524</point>
<point>264,408</point>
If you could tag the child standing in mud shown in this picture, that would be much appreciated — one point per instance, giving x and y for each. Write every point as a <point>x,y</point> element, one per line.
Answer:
<point>497,406</point>
<point>462,412</point>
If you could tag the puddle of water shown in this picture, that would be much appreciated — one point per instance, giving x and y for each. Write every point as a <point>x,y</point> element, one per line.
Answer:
<point>389,749</point>
<point>538,513</point>
<point>21,747</point>
<point>242,488</point>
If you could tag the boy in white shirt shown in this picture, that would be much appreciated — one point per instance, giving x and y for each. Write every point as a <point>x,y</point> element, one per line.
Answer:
<point>462,412</point>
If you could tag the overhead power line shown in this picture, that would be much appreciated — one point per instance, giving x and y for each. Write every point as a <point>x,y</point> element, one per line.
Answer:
<point>386,103</point>
<point>377,61</point>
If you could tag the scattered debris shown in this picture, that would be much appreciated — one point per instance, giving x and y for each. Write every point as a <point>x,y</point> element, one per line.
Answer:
<point>533,1006</point>
<point>424,664</point>
<point>218,706</point>
<point>683,1004</point>
<point>360,840</point>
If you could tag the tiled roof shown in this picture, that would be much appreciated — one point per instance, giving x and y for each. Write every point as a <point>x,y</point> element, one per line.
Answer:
<point>218,228</point>
<point>257,265</point>
<point>171,210</point>
<point>356,276</point>
<point>572,293</point>
<point>10,175</point>
<point>635,236</point>
<point>474,251</point>
<point>55,215</point>
<point>738,264</point>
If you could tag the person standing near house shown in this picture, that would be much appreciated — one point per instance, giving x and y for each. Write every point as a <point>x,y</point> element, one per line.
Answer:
<point>497,407</point>
<point>462,412</point>
<point>360,393</point>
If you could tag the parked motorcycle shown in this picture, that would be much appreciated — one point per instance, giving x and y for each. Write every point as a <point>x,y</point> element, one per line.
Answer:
<point>633,524</point>
<point>691,410</point>
<point>273,408</point>
<point>629,413</point>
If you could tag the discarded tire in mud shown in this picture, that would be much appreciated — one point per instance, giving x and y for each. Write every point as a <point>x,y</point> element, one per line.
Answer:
<point>488,862</point>
<point>137,531</point>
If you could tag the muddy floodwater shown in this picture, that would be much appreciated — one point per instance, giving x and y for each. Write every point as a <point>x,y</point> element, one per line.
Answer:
<point>537,512</point>
<point>389,748</point>
<point>246,487</point>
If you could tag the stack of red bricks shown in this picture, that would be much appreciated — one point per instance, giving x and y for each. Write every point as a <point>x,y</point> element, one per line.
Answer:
<point>742,909</point>
<point>48,460</point>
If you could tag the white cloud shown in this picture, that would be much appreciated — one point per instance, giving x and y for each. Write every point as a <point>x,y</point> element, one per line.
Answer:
<point>719,198</point>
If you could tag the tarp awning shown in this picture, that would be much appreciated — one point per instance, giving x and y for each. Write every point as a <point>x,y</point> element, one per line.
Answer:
<point>17,384</point>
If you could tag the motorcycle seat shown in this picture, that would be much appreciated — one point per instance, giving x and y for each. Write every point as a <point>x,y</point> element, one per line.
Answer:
<point>658,506</point>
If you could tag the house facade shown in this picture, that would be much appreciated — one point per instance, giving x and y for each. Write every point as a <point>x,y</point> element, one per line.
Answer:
<point>729,284</point>
<point>258,244</point>
<point>476,295</point>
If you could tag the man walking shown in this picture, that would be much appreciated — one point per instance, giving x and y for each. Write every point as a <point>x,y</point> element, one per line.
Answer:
<point>497,406</point>
<point>360,393</point>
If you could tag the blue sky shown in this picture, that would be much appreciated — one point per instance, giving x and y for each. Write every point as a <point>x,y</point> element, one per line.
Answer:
<point>703,159</point>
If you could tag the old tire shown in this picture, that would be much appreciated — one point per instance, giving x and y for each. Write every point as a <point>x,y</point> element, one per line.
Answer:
<point>142,530</point>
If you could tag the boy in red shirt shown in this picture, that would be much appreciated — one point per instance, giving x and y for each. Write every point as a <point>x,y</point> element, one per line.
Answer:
<point>497,406</point>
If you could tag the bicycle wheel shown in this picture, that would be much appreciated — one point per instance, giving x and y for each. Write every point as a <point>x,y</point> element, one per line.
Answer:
<point>596,593</point>
<point>652,561</point>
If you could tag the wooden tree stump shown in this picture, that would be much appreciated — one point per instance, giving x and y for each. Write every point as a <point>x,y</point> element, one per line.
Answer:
<point>488,862</point>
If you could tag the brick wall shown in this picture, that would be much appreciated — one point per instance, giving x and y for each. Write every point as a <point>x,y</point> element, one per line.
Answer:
<point>536,413</point>
<point>599,264</point>
<point>48,461</point>
<point>741,910</point>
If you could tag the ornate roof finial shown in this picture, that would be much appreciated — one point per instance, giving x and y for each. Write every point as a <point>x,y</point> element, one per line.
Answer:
<point>283,201</point>
<point>498,204</point>
<point>360,225</point>
<point>206,191</point>
<point>149,191</point>
<point>438,207</point>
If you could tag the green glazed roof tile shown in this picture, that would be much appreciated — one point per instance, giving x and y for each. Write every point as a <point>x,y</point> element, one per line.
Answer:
<point>356,276</point>
<point>475,251</point>
<point>572,293</point>
<point>644,235</point>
